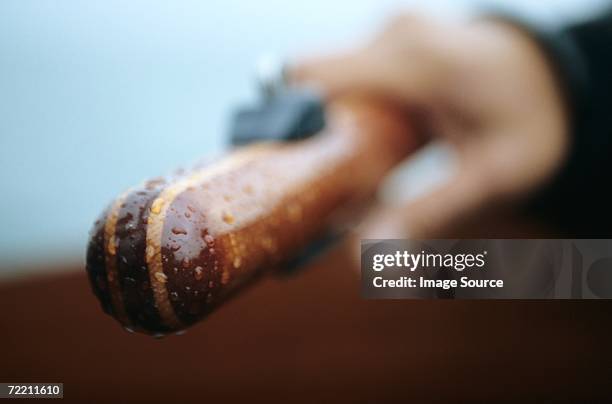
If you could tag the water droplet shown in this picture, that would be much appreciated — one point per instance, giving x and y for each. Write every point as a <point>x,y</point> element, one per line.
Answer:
<point>187,215</point>
<point>199,273</point>
<point>129,282</point>
<point>150,252</point>
<point>128,329</point>
<point>209,239</point>
<point>179,230</point>
<point>174,296</point>
<point>228,217</point>
<point>157,205</point>
<point>237,262</point>
<point>161,277</point>
<point>186,263</point>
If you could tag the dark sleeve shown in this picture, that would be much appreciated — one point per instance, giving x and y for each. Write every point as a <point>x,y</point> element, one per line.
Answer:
<point>579,199</point>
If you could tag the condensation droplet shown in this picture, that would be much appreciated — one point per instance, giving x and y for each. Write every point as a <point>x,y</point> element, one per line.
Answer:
<point>156,206</point>
<point>161,277</point>
<point>237,262</point>
<point>228,217</point>
<point>178,230</point>
<point>150,252</point>
<point>199,273</point>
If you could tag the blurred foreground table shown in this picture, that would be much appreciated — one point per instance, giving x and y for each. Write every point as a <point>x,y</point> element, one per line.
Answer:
<point>310,338</point>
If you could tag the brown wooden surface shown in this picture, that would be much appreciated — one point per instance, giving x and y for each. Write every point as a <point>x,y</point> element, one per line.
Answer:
<point>310,338</point>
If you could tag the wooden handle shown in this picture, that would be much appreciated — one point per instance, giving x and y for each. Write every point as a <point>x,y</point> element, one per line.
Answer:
<point>167,252</point>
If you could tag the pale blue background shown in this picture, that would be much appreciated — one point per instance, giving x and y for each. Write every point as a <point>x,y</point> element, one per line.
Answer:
<point>98,95</point>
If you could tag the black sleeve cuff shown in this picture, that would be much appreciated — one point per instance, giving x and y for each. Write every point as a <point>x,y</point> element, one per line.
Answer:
<point>577,201</point>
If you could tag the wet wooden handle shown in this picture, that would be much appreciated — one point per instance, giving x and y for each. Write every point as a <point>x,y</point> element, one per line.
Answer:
<point>167,252</point>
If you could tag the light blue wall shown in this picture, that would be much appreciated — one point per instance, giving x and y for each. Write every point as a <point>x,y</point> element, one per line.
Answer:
<point>98,95</point>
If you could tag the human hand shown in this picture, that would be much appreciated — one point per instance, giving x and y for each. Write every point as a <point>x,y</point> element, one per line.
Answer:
<point>488,91</point>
